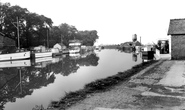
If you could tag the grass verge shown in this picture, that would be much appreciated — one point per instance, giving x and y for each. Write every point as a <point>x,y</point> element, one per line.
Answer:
<point>100,85</point>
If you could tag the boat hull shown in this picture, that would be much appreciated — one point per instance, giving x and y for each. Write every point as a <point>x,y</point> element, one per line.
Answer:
<point>43,54</point>
<point>15,56</point>
<point>15,63</point>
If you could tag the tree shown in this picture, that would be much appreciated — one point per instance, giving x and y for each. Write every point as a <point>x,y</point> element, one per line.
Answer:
<point>88,37</point>
<point>56,35</point>
<point>68,32</point>
<point>32,26</point>
<point>37,27</point>
<point>8,18</point>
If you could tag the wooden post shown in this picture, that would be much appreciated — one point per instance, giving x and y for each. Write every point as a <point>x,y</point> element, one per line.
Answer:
<point>18,33</point>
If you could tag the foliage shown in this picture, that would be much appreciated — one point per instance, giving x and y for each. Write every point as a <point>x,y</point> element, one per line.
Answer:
<point>37,29</point>
<point>65,32</point>
<point>31,25</point>
<point>88,37</point>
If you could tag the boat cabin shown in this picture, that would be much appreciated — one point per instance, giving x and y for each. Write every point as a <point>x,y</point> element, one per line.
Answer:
<point>75,43</point>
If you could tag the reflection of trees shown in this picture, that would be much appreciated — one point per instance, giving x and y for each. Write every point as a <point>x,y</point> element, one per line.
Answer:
<point>69,65</point>
<point>6,90</point>
<point>90,60</point>
<point>19,82</point>
<point>126,49</point>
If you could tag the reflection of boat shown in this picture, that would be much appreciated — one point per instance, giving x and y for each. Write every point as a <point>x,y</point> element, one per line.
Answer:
<point>56,59</point>
<point>15,63</point>
<point>43,59</point>
<point>86,54</point>
<point>74,55</point>
<point>42,62</point>
<point>74,50</point>
<point>15,56</point>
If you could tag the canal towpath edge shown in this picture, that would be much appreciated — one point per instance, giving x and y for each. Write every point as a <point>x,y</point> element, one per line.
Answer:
<point>143,91</point>
<point>95,100</point>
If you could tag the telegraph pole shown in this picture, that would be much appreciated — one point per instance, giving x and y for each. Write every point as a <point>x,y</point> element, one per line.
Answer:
<point>18,33</point>
<point>17,26</point>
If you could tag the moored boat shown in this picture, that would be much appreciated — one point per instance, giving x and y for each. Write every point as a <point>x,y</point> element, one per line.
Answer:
<point>15,63</point>
<point>15,56</point>
<point>41,51</point>
<point>74,46</point>
<point>43,54</point>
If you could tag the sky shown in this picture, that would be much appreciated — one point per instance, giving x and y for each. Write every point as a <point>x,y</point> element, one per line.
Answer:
<point>115,20</point>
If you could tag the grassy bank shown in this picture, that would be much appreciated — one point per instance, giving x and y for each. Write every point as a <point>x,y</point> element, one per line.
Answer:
<point>100,85</point>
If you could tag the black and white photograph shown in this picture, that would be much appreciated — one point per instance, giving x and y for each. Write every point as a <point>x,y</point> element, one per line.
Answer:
<point>92,55</point>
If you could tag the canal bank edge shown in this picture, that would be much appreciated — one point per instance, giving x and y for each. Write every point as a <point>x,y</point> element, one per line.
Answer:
<point>103,85</point>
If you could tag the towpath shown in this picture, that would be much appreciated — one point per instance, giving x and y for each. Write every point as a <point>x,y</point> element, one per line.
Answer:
<point>159,86</point>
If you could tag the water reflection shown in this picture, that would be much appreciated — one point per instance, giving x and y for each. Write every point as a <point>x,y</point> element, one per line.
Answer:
<point>39,82</point>
<point>134,56</point>
<point>20,78</point>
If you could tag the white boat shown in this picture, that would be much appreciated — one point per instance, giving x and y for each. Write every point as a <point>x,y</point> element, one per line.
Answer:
<point>15,56</point>
<point>43,54</point>
<point>15,63</point>
<point>74,46</point>
<point>42,51</point>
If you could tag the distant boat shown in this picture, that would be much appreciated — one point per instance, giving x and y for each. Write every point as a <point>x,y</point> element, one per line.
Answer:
<point>15,63</point>
<point>15,56</point>
<point>41,51</point>
<point>74,46</point>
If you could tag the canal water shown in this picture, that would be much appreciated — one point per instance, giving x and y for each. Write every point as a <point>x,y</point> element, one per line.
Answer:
<point>26,84</point>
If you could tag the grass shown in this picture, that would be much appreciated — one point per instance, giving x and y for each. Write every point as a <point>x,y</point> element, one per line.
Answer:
<point>100,85</point>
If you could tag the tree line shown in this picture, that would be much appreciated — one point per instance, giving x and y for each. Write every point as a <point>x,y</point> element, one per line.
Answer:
<point>35,29</point>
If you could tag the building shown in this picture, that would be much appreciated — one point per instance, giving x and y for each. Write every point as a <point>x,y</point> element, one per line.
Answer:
<point>60,46</point>
<point>177,32</point>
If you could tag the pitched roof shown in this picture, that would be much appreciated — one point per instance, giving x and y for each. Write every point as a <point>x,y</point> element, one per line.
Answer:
<point>177,26</point>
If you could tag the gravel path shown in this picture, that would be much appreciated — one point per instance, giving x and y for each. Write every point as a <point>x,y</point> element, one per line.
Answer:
<point>129,95</point>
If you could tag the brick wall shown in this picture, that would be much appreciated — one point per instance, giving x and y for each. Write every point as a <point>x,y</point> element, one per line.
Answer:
<point>178,47</point>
